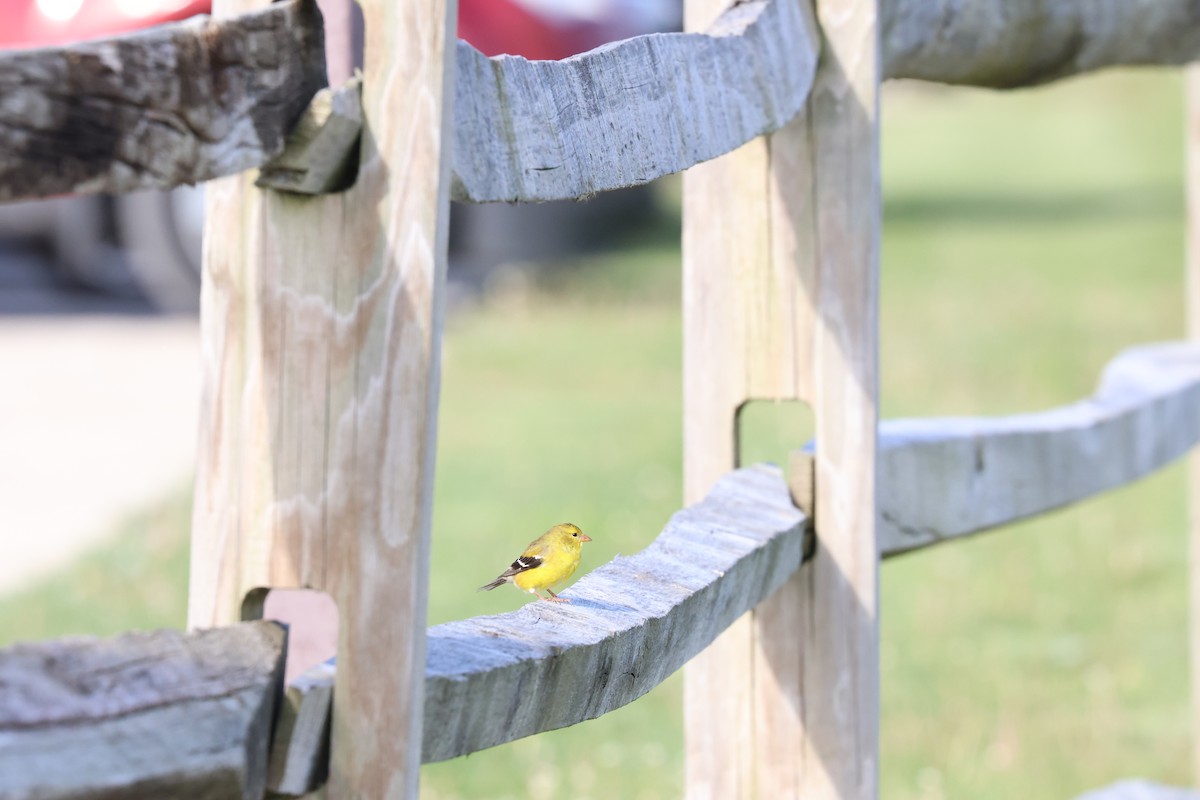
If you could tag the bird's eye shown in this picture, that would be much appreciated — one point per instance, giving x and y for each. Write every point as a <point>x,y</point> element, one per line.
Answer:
<point>576,535</point>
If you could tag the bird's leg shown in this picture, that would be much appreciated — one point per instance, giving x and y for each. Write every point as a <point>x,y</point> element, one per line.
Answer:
<point>553,598</point>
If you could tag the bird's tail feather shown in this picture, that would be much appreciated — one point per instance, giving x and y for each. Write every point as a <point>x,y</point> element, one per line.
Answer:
<point>492,585</point>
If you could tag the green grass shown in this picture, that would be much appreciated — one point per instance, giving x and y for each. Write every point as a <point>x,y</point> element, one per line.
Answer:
<point>137,579</point>
<point>1027,241</point>
<point>1028,237</point>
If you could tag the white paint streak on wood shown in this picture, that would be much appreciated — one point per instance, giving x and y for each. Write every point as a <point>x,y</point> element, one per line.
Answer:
<point>321,332</point>
<point>628,112</point>
<point>162,714</point>
<point>944,478</point>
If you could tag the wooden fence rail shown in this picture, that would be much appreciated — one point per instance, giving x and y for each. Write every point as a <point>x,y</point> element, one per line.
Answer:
<point>203,99</point>
<point>633,622</point>
<point>322,326</point>
<point>175,104</point>
<point>939,479</point>
<point>164,714</point>
<point>944,478</point>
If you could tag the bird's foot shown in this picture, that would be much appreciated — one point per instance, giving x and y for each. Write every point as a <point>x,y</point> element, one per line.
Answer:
<point>555,599</point>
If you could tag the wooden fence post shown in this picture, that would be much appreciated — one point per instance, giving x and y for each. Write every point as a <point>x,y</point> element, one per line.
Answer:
<point>321,329</point>
<point>781,250</point>
<point>1192,314</point>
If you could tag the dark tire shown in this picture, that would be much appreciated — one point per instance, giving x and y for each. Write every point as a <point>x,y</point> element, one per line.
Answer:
<point>160,233</point>
<point>80,234</point>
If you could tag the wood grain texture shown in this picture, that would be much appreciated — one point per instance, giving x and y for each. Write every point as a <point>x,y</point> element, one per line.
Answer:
<point>780,296</point>
<point>944,478</point>
<point>321,156</point>
<point>1011,43</point>
<point>321,324</point>
<point>170,105</point>
<point>629,112</point>
<point>1192,317</point>
<point>162,714</point>
<point>631,623</point>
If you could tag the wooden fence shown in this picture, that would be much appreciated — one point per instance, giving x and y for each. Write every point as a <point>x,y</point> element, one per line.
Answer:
<point>321,326</point>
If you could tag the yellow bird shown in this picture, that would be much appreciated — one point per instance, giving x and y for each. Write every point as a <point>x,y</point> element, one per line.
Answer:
<point>548,561</point>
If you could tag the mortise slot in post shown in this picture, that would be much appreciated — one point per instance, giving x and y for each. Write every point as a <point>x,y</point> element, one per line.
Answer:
<point>312,620</point>
<point>769,430</point>
<point>781,432</point>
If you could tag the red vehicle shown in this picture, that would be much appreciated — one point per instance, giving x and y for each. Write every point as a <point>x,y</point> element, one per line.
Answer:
<point>37,23</point>
<point>155,236</point>
<point>103,241</point>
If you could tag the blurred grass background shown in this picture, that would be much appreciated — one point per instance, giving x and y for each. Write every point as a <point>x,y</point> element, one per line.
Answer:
<point>1028,237</point>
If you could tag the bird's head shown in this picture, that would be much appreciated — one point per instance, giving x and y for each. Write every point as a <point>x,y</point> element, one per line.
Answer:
<point>571,534</point>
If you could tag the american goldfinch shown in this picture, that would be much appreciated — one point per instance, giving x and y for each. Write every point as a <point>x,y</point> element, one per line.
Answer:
<point>548,561</point>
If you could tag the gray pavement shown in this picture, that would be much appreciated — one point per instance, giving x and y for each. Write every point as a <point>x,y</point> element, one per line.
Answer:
<point>98,412</point>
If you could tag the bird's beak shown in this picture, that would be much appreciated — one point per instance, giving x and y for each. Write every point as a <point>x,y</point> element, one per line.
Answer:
<point>583,537</point>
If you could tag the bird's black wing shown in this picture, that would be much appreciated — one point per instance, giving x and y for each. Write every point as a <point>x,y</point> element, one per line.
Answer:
<point>532,558</point>
<point>522,564</point>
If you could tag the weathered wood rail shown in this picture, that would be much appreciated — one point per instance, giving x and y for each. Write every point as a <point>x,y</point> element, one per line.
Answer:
<point>944,478</point>
<point>618,116</point>
<point>628,615</point>
<point>630,112</point>
<point>329,309</point>
<point>165,714</point>
<point>171,105</point>
<point>632,623</point>
<point>1006,44</point>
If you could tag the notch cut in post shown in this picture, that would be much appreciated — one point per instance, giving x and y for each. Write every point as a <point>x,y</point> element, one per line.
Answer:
<point>763,430</point>
<point>312,620</point>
